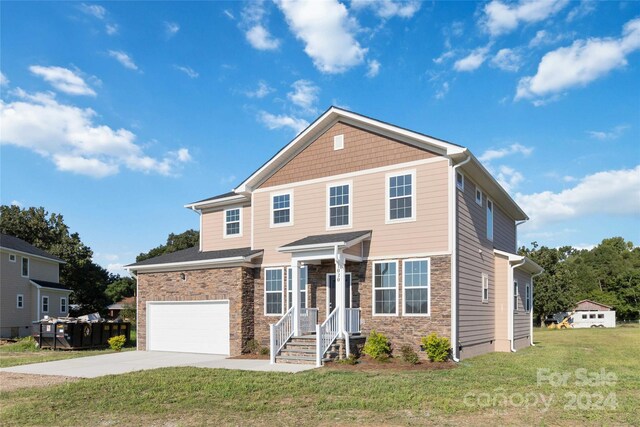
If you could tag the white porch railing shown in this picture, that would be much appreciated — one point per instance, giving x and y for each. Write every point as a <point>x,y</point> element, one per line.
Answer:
<point>280,333</point>
<point>353,320</point>
<point>308,320</point>
<point>326,335</point>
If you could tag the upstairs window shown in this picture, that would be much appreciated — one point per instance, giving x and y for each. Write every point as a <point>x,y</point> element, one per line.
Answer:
<point>416,287</point>
<point>460,181</point>
<point>303,279</point>
<point>339,205</point>
<point>485,288</point>
<point>478,196</point>
<point>489,220</point>
<point>19,301</point>
<point>515,296</point>
<point>12,257</point>
<point>25,267</point>
<point>401,197</point>
<point>45,304</point>
<point>273,291</point>
<point>63,305</point>
<point>281,213</point>
<point>527,298</point>
<point>385,286</point>
<point>232,222</point>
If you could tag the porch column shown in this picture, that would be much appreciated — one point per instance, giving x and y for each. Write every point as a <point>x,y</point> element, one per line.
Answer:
<point>340,291</point>
<point>295,296</point>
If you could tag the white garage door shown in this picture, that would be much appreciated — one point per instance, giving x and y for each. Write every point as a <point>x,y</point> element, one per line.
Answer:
<point>188,326</point>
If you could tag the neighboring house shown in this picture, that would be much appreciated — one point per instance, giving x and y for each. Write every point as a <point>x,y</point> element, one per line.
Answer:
<point>29,287</point>
<point>591,314</point>
<point>356,225</point>
<point>115,308</point>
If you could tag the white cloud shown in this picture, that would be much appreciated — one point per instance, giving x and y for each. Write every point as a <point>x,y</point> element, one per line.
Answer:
<point>273,121</point>
<point>442,92</point>
<point>507,60</point>
<point>509,178</point>
<point>569,178</point>
<point>124,59</point>
<point>261,91</point>
<point>171,29</point>
<point>493,154</point>
<point>228,14</point>
<point>187,70</point>
<point>16,203</point>
<point>112,29</point>
<point>586,7</point>
<point>304,95</point>
<point>445,56</point>
<point>94,10</point>
<point>68,136</point>
<point>614,192</point>
<point>500,18</point>
<point>386,9</point>
<point>614,133</point>
<point>63,79</point>
<point>472,61</point>
<point>373,68</point>
<point>581,63</point>
<point>4,81</point>
<point>261,39</point>
<point>327,31</point>
<point>542,37</point>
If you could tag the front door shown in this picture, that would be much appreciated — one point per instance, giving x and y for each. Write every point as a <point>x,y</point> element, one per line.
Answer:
<point>331,291</point>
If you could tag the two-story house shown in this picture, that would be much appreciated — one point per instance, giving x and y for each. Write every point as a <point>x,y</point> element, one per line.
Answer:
<point>355,225</point>
<point>29,287</point>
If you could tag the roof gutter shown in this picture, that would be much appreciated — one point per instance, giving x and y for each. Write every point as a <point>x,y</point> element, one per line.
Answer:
<point>454,257</point>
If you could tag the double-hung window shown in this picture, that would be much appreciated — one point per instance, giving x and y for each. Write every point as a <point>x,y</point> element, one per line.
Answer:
<point>281,209</point>
<point>515,296</point>
<point>339,205</point>
<point>527,296</point>
<point>385,288</point>
<point>233,222</point>
<point>401,200</point>
<point>25,267</point>
<point>478,196</point>
<point>489,220</point>
<point>416,287</point>
<point>63,305</point>
<point>20,301</point>
<point>485,287</point>
<point>45,304</point>
<point>273,290</point>
<point>302,272</point>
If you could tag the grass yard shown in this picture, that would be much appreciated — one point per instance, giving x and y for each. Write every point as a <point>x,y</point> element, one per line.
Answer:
<point>493,389</point>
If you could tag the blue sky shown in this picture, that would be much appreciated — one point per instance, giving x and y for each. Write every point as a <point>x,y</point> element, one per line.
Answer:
<point>116,114</point>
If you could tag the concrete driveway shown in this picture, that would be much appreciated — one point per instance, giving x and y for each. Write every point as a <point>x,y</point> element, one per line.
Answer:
<point>130,361</point>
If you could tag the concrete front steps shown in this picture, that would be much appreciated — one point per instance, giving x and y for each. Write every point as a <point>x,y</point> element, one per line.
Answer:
<point>303,350</point>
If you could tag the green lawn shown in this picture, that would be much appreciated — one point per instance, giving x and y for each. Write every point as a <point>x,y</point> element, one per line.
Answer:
<point>464,395</point>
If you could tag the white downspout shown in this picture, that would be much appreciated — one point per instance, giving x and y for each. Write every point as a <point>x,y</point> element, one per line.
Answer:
<point>510,305</point>
<point>531,310</point>
<point>340,301</point>
<point>454,257</point>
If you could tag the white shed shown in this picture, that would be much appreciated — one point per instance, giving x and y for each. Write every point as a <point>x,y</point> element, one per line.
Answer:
<point>591,314</point>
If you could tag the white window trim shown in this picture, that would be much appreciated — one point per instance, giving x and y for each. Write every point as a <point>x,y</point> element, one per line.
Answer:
<point>338,142</point>
<point>493,210</point>
<point>459,185</point>
<point>478,190</point>
<point>42,304</point>
<point>281,193</point>
<point>66,306</point>
<point>20,301</point>
<point>404,299</point>
<point>338,184</point>
<point>516,295</point>
<point>373,293</point>
<point>485,280</point>
<point>306,292</point>
<point>527,298</point>
<point>387,198</point>
<point>282,291</point>
<point>12,257</point>
<point>22,268</point>
<point>224,222</point>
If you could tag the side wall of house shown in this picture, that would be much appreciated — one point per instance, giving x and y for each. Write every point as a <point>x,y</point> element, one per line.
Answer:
<point>234,284</point>
<point>521,317</point>
<point>501,304</point>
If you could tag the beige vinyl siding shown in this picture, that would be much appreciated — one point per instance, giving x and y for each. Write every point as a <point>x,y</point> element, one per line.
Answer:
<point>429,233</point>
<point>476,320</point>
<point>504,231</point>
<point>501,303</point>
<point>212,233</point>
<point>521,318</point>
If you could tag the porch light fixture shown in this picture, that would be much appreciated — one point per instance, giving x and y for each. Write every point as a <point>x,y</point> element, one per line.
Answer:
<point>183,277</point>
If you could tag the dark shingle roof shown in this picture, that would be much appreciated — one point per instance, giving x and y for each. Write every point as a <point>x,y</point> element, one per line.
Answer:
<point>52,285</point>
<point>328,238</point>
<point>12,242</point>
<point>219,196</point>
<point>193,254</point>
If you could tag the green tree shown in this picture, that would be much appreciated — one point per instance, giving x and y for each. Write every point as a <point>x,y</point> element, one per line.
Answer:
<point>175,242</point>
<point>49,232</point>
<point>120,287</point>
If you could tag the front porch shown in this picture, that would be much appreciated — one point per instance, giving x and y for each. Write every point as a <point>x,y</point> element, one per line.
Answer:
<point>308,332</point>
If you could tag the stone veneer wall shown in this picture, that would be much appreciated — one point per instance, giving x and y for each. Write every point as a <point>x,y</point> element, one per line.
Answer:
<point>234,284</point>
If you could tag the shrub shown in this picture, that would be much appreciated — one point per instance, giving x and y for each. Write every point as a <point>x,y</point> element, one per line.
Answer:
<point>116,343</point>
<point>264,351</point>
<point>377,347</point>
<point>351,360</point>
<point>437,348</point>
<point>252,346</point>
<point>409,355</point>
